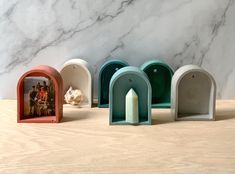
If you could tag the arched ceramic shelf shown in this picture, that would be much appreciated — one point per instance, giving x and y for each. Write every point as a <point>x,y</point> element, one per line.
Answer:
<point>105,74</point>
<point>122,81</point>
<point>50,110</point>
<point>78,74</point>
<point>193,94</point>
<point>160,75</point>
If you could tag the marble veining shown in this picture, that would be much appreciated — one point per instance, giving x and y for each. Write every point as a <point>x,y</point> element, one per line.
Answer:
<point>179,32</point>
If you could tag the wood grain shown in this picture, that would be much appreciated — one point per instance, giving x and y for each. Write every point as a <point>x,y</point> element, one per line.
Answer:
<point>85,143</point>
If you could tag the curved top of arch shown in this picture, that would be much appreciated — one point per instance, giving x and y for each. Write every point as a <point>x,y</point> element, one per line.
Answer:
<point>181,72</point>
<point>156,62</point>
<point>79,62</point>
<point>128,70</point>
<point>44,70</point>
<point>113,61</point>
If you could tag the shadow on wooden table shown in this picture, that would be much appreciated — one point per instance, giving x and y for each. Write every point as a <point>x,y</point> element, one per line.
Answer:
<point>161,116</point>
<point>225,114</point>
<point>225,110</point>
<point>74,115</point>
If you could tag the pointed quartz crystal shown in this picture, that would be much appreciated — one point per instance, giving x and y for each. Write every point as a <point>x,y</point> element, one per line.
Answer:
<point>132,111</point>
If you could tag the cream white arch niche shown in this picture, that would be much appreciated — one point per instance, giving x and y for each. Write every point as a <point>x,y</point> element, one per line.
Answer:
<point>78,74</point>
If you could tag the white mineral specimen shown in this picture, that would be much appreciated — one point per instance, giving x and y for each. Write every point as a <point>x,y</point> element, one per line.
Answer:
<point>73,96</point>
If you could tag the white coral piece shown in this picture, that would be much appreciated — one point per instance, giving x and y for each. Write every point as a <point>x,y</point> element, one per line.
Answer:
<point>73,96</point>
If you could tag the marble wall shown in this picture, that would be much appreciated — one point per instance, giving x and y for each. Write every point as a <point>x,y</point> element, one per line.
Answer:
<point>179,32</point>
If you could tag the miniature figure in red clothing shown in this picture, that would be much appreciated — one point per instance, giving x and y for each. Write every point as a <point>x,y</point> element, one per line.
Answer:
<point>42,103</point>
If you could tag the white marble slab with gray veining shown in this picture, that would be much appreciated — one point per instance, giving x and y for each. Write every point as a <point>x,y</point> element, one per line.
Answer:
<point>179,32</point>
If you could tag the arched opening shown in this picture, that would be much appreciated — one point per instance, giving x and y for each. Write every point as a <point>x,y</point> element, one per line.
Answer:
<point>39,96</point>
<point>160,76</point>
<point>122,81</point>
<point>195,95</point>
<point>77,74</point>
<point>105,75</point>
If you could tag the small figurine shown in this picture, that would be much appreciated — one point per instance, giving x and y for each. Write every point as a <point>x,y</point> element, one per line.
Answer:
<point>73,96</point>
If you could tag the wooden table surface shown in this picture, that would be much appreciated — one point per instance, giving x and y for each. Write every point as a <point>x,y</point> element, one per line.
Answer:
<point>85,143</point>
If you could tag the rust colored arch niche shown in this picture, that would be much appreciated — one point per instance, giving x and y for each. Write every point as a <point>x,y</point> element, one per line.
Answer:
<point>39,96</point>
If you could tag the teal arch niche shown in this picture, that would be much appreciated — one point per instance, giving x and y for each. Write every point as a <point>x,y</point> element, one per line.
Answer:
<point>105,74</point>
<point>122,81</point>
<point>160,75</point>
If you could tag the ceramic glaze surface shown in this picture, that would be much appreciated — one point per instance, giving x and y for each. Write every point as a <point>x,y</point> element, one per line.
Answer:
<point>179,32</point>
